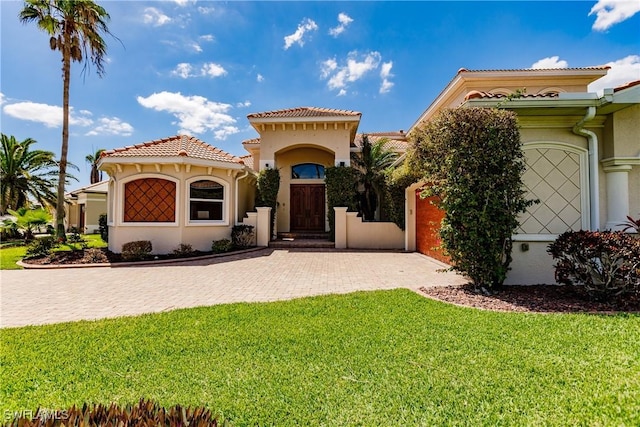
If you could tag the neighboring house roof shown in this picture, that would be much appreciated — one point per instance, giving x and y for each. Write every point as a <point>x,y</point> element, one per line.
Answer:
<point>174,146</point>
<point>253,141</point>
<point>626,86</point>
<point>300,112</point>
<point>98,187</point>
<point>475,94</point>
<point>396,141</point>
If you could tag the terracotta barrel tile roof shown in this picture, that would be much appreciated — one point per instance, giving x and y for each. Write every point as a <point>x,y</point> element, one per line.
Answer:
<point>304,112</point>
<point>253,141</point>
<point>626,86</point>
<point>179,145</point>
<point>248,160</point>
<point>507,70</point>
<point>396,141</point>
<point>475,94</point>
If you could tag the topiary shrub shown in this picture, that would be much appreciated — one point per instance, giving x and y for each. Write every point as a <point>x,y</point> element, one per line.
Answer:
<point>242,236</point>
<point>42,246</point>
<point>606,263</point>
<point>136,251</point>
<point>268,187</point>
<point>221,246</point>
<point>396,182</point>
<point>145,413</point>
<point>473,160</point>
<point>342,191</point>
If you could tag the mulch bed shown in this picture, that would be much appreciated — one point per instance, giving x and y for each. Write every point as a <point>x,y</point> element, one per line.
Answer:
<point>95,255</point>
<point>535,298</point>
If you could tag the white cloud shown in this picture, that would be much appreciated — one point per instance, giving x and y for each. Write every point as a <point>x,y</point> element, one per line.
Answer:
<point>183,2</point>
<point>611,12</point>
<point>209,69</point>
<point>183,70</point>
<point>297,37</point>
<point>243,104</point>
<point>356,67</point>
<point>385,75</point>
<point>111,126</point>
<point>259,78</point>
<point>622,71</point>
<point>342,92</point>
<point>154,17</point>
<point>213,70</point>
<point>344,21</point>
<point>194,114</point>
<point>550,62</point>
<point>195,46</point>
<point>48,115</point>
<point>2,98</point>
<point>206,37</point>
<point>206,10</point>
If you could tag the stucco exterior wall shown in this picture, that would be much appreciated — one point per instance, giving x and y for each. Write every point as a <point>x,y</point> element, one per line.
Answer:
<point>531,265</point>
<point>372,235</point>
<point>95,205</point>
<point>626,140</point>
<point>165,237</point>
<point>334,139</point>
<point>284,161</point>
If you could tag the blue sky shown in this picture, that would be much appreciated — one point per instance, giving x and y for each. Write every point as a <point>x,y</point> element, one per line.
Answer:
<point>200,67</point>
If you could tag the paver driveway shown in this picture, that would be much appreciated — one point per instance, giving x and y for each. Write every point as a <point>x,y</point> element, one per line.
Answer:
<point>34,297</point>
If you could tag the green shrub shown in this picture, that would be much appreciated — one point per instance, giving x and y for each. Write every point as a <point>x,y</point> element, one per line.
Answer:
<point>94,255</point>
<point>42,246</point>
<point>342,191</point>
<point>184,250</point>
<point>145,413</point>
<point>242,236</point>
<point>136,251</point>
<point>221,246</point>
<point>268,187</point>
<point>473,160</point>
<point>75,240</point>
<point>396,182</point>
<point>103,228</point>
<point>606,263</point>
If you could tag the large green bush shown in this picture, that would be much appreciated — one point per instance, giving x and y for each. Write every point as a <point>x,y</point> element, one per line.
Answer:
<point>396,182</point>
<point>473,158</point>
<point>342,191</point>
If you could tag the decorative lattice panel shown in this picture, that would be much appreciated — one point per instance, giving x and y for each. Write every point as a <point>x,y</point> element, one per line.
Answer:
<point>150,200</point>
<point>553,177</point>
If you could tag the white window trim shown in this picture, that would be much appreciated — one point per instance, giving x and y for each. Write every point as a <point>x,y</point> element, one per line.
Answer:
<point>188,222</point>
<point>120,208</point>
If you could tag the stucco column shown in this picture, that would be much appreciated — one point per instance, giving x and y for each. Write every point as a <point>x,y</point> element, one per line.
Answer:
<point>617,195</point>
<point>340,227</point>
<point>263,225</point>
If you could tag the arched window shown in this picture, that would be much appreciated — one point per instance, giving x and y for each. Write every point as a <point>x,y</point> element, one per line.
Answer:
<point>307,171</point>
<point>206,201</point>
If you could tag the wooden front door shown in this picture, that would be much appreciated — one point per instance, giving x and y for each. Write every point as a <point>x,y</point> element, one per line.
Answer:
<point>307,208</point>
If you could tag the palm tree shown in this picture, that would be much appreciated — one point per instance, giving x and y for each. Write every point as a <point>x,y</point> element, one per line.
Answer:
<point>75,28</point>
<point>26,174</point>
<point>371,163</point>
<point>92,159</point>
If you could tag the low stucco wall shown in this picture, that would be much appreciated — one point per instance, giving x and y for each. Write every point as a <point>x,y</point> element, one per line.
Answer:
<point>165,239</point>
<point>532,266</point>
<point>353,233</point>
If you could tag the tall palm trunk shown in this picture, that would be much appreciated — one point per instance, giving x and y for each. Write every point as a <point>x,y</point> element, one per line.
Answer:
<point>62,176</point>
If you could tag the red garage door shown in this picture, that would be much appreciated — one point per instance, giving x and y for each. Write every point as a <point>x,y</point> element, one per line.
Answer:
<point>428,219</point>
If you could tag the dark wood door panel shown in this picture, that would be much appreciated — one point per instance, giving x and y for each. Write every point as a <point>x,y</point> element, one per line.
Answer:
<point>307,207</point>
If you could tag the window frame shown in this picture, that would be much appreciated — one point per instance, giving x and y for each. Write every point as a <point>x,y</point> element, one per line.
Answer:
<point>224,202</point>
<point>120,209</point>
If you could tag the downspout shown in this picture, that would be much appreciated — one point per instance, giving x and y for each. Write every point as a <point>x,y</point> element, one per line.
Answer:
<point>235,217</point>
<point>594,190</point>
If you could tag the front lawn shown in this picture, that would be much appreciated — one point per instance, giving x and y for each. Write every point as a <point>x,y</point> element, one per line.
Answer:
<point>9,256</point>
<point>377,358</point>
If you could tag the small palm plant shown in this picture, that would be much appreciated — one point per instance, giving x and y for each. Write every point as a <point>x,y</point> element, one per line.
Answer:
<point>28,220</point>
<point>631,224</point>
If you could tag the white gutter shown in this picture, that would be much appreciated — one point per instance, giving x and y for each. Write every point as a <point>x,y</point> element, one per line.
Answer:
<point>594,190</point>
<point>235,216</point>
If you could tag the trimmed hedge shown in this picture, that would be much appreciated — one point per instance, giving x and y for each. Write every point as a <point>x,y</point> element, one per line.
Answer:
<point>342,191</point>
<point>136,251</point>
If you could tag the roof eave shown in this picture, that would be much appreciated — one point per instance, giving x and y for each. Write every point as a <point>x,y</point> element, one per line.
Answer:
<point>169,160</point>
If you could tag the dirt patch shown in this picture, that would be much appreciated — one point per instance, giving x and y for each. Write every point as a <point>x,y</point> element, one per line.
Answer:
<point>535,298</point>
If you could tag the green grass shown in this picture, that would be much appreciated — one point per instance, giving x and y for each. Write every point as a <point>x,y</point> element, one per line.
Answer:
<point>9,256</point>
<point>378,358</point>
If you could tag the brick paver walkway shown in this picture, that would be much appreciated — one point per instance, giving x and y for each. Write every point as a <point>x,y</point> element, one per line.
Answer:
<point>34,297</point>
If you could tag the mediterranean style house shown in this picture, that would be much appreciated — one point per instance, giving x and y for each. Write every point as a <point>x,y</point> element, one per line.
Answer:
<point>582,151</point>
<point>84,207</point>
